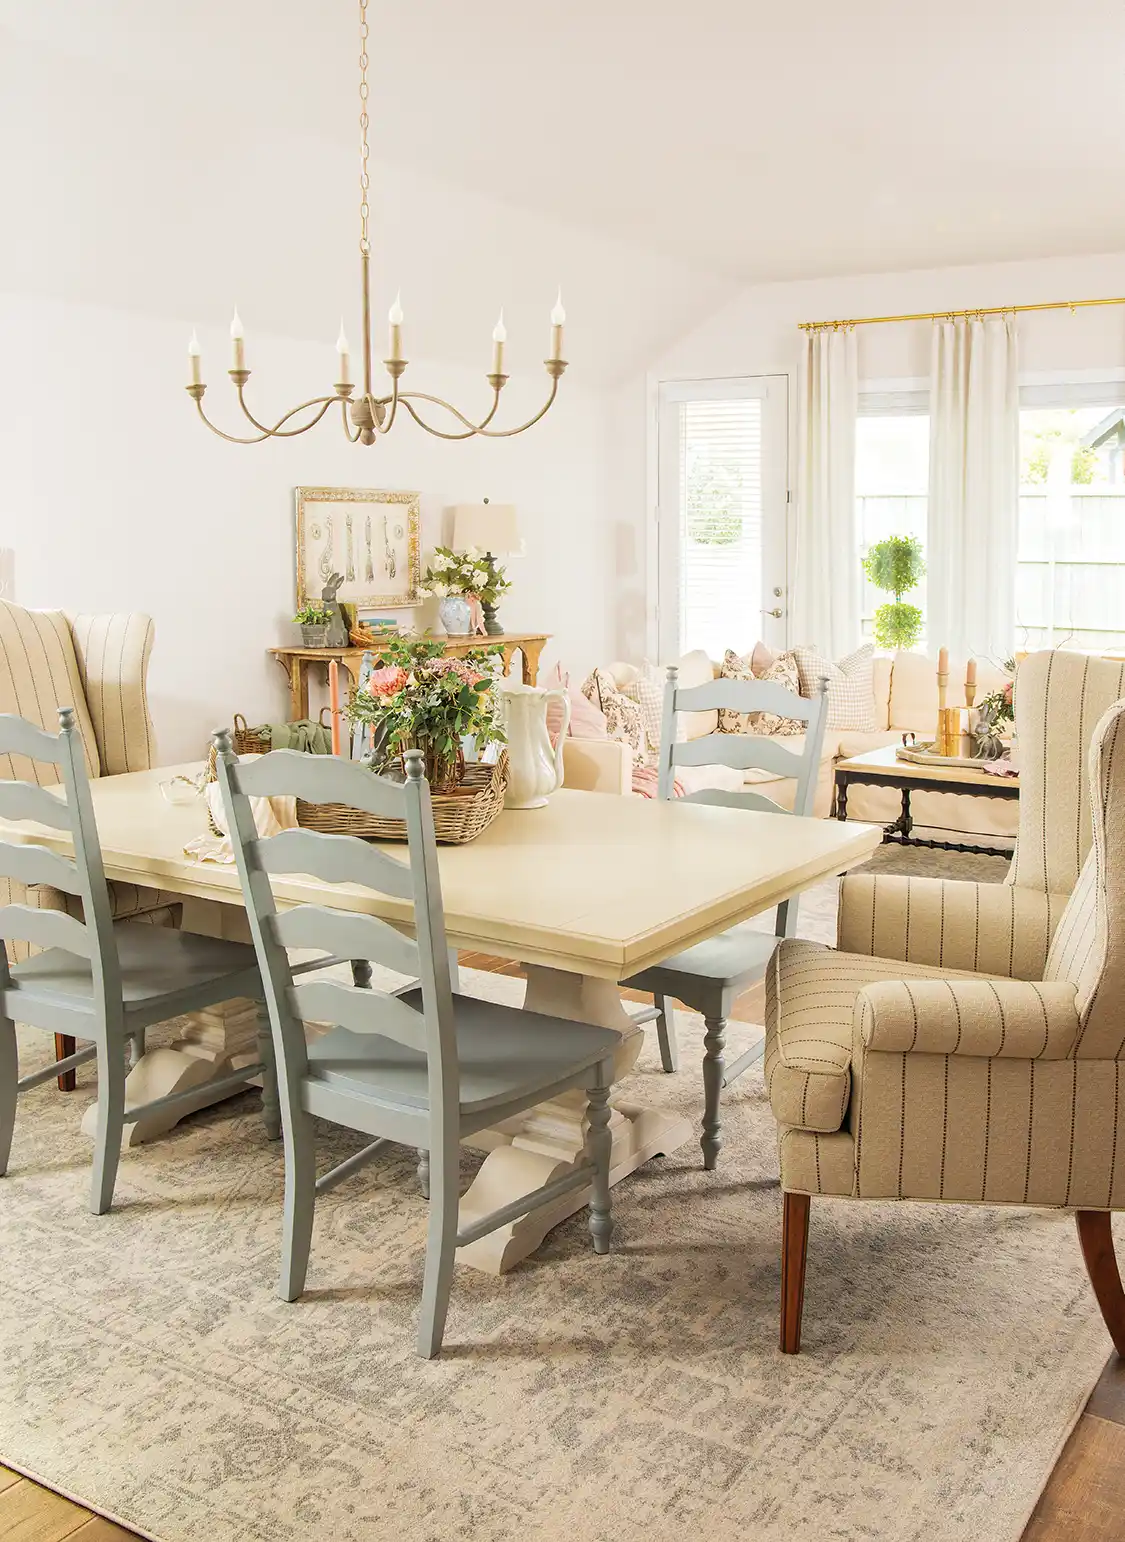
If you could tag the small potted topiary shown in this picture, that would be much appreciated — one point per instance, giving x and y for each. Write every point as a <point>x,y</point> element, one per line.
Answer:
<point>314,620</point>
<point>896,565</point>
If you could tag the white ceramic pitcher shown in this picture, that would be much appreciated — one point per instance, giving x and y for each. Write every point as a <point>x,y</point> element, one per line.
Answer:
<point>534,768</point>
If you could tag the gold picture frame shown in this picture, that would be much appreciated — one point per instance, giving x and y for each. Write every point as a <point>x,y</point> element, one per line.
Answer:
<point>371,538</point>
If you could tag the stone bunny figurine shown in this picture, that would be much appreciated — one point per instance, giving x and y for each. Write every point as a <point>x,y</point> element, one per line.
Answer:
<point>337,627</point>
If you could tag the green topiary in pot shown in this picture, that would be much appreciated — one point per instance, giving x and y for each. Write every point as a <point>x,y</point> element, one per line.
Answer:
<point>897,565</point>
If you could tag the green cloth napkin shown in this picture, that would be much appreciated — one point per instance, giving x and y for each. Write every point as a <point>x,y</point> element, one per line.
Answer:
<point>312,738</point>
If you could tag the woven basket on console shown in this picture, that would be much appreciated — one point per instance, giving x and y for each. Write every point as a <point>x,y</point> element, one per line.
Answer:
<point>459,816</point>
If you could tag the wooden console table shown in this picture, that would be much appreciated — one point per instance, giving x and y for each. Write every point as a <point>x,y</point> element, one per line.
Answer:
<point>296,661</point>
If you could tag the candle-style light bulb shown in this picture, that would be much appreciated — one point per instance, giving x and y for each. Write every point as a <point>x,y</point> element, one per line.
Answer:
<point>238,336</point>
<point>558,316</point>
<point>499,338</point>
<point>343,378</point>
<point>394,316</point>
<point>194,356</point>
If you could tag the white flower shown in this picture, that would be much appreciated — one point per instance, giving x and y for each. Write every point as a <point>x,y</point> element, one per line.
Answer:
<point>439,590</point>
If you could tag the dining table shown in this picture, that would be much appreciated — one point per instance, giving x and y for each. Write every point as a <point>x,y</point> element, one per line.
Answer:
<point>583,892</point>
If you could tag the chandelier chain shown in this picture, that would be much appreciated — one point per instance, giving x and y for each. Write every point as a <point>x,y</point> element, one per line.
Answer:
<point>364,150</point>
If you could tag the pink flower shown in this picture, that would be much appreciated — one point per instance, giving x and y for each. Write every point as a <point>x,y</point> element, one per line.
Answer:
<point>386,681</point>
<point>1008,690</point>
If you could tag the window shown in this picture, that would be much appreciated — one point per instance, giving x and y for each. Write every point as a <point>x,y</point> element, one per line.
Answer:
<point>1071,573</point>
<point>722,514</point>
<point>892,468</point>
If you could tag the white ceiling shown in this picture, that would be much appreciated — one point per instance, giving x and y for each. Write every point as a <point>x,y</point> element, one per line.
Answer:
<point>700,145</point>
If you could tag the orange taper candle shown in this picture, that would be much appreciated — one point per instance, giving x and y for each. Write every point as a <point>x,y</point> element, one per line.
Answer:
<point>334,702</point>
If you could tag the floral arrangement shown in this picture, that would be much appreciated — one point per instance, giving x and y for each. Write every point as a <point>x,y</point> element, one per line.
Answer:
<point>467,572</point>
<point>996,714</point>
<point>420,699</point>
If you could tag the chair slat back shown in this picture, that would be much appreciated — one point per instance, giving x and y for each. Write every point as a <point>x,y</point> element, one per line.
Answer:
<point>336,859</point>
<point>31,864</point>
<point>347,934</point>
<point>744,752</point>
<point>358,1008</point>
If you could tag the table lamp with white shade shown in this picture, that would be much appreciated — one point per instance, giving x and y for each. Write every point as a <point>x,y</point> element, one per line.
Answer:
<point>493,528</point>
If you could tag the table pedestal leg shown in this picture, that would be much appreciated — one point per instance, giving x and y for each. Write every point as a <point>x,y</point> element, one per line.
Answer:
<point>548,1140</point>
<point>211,1047</point>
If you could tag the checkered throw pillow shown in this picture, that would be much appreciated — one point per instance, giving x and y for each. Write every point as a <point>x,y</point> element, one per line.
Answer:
<point>851,691</point>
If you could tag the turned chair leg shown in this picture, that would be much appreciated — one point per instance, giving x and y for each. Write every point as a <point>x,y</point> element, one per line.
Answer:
<point>714,1041</point>
<point>666,1034</point>
<point>64,1046</point>
<point>1095,1237</point>
<point>794,1255</point>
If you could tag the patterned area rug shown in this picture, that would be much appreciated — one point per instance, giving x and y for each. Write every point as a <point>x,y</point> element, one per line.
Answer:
<point>147,1368</point>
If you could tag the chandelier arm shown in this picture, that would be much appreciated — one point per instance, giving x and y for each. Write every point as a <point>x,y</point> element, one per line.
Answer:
<point>277,432</point>
<point>352,438</point>
<point>475,428</point>
<point>471,428</point>
<point>230,438</point>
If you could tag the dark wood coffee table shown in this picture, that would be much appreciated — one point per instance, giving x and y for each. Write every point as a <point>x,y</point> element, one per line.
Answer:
<point>883,768</point>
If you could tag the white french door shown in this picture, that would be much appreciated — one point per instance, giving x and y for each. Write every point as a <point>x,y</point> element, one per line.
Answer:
<point>721,517</point>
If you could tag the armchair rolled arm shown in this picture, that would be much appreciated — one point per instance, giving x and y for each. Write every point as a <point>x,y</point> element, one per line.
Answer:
<point>1013,1019</point>
<point>113,653</point>
<point>990,928</point>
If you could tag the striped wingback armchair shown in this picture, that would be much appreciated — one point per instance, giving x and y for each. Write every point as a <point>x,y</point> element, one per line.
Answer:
<point>97,665</point>
<point>964,1042</point>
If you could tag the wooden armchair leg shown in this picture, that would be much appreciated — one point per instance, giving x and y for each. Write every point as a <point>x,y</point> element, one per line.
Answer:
<point>1095,1236</point>
<point>64,1046</point>
<point>794,1253</point>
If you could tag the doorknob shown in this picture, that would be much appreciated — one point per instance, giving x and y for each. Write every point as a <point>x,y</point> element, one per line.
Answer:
<point>777,611</point>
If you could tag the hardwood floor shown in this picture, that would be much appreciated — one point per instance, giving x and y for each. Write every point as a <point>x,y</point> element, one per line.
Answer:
<point>1084,1500</point>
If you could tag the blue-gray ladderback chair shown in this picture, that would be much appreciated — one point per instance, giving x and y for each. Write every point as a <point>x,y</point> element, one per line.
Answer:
<point>710,976</point>
<point>427,1068</point>
<point>96,980</point>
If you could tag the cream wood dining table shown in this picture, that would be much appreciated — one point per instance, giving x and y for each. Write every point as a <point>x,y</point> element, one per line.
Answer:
<point>584,892</point>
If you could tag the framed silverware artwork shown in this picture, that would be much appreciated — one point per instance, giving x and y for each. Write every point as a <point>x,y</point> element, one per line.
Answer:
<point>368,538</point>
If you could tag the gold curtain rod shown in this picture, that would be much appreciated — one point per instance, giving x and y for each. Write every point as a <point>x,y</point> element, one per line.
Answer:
<point>978,310</point>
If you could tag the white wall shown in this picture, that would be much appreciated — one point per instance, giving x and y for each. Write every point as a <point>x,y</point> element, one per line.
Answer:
<point>115,497</point>
<point>144,200</point>
<point>757,334</point>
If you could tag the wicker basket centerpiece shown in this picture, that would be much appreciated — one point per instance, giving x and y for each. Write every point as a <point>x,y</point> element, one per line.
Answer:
<point>460,815</point>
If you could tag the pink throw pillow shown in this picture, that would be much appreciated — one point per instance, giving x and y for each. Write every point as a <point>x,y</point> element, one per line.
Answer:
<point>586,722</point>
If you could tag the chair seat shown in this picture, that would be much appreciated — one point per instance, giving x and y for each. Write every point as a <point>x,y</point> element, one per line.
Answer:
<point>504,1053</point>
<point>158,967</point>
<point>733,960</point>
<point>811,993</point>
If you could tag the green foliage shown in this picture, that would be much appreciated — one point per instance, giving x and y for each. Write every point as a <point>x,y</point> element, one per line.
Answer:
<point>714,501</point>
<point>896,565</point>
<point>897,625</point>
<point>313,614</point>
<point>1083,461</point>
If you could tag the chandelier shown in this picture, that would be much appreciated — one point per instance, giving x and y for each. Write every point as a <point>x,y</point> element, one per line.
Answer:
<point>370,415</point>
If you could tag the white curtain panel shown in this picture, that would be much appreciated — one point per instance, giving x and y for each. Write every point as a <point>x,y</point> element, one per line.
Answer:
<point>826,589</point>
<point>974,487</point>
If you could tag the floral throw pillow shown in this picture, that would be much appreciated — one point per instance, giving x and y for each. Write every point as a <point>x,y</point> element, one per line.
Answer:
<point>622,716</point>
<point>783,671</point>
<point>648,693</point>
<point>851,689</point>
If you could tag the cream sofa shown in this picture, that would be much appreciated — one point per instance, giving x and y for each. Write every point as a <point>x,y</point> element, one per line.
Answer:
<point>905,691</point>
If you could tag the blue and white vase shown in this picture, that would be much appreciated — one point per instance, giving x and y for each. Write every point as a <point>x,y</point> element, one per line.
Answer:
<point>453,613</point>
